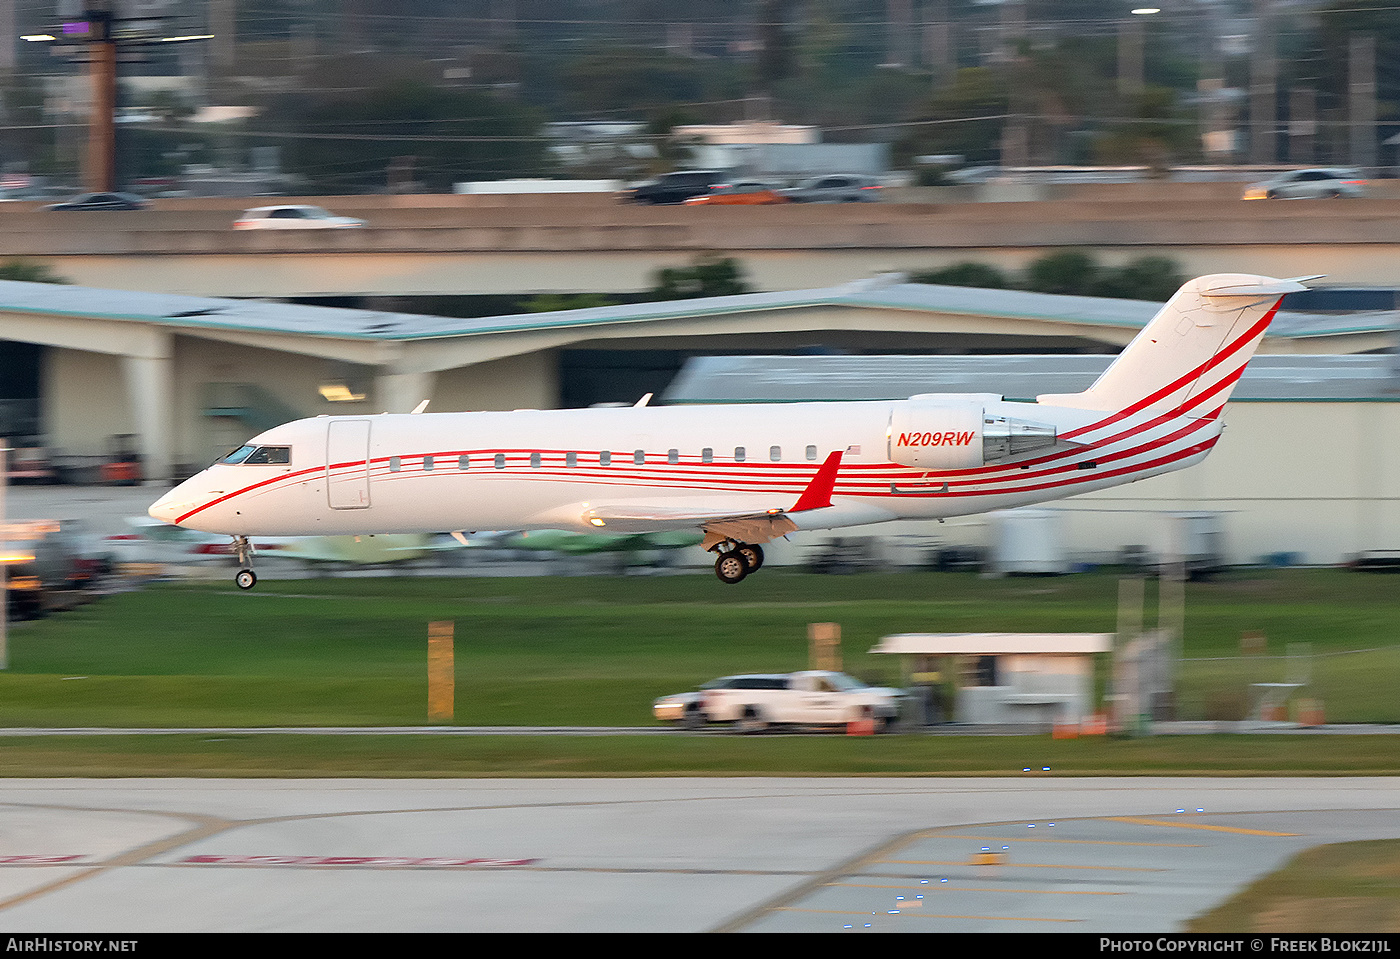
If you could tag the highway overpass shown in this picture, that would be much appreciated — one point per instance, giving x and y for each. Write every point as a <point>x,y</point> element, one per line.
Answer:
<point>442,245</point>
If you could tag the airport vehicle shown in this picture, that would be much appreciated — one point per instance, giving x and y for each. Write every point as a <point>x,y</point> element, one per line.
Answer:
<point>739,193</point>
<point>836,188</point>
<point>101,201</point>
<point>754,702</point>
<point>1309,184</point>
<point>675,187</point>
<point>750,473</point>
<point>294,216</point>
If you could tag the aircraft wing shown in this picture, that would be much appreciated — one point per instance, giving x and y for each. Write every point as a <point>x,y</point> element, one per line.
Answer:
<point>750,519</point>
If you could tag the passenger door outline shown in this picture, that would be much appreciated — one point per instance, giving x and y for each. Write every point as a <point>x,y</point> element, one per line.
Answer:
<point>347,464</point>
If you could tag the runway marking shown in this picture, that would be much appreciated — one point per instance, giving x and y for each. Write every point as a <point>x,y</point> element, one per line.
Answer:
<point>923,915</point>
<point>1196,825</point>
<point>943,888</point>
<point>1016,865</point>
<point>1080,842</point>
<point>371,862</point>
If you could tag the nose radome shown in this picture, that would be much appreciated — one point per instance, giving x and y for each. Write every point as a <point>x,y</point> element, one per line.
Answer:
<point>166,508</point>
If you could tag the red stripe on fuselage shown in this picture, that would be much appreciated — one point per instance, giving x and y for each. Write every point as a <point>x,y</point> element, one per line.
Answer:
<point>1219,357</point>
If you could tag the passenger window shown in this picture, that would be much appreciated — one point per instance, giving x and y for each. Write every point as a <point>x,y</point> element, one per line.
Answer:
<point>535,461</point>
<point>464,462</point>
<point>707,455</point>
<point>738,454</point>
<point>775,453</point>
<point>673,456</point>
<point>427,464</point>
<point>395,464</point>
<point>270,455</point>
<point>570,460</point>
<point>639,457</point>
<point>811,452</point>
<point>500,461</point>
<point>605,458</point>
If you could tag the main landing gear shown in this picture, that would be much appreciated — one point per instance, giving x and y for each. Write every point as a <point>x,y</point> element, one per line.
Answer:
<point>245,578</point>
<point>737,560</point>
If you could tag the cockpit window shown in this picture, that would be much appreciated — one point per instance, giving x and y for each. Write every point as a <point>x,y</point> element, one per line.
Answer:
<point>266,455</point>
<point>238,455</point>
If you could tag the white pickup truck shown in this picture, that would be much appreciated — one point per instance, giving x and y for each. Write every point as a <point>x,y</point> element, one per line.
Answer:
<point>756,701</point>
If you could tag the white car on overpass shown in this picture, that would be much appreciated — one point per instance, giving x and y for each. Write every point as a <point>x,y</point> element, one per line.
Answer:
<point>755,701</point>
<point>294,216</point>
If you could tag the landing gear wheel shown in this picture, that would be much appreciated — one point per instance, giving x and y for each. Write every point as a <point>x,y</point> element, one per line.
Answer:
<point>753,556</point>
<point>731,566</point>
<point>246,579</point>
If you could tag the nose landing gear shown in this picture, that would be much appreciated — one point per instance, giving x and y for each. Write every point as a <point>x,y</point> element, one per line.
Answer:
<point>245,578</point>
<point>737,560</point>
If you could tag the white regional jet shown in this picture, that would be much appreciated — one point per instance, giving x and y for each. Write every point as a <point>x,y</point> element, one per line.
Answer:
<point>745,474</point>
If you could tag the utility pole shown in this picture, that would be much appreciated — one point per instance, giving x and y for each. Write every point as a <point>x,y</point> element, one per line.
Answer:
<point>938,47</point>
<point>100,165</point>
<point>1015,136</point>
<point>1263,83</point>
<point>1302,125</point>
<point>8,34</point>
<point>899,28</point>
<point>1130,81</point>
<point>1361,99</point>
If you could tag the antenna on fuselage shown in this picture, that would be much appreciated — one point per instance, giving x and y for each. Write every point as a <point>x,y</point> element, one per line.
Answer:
<point>642,402</point>
<point>420,407</point>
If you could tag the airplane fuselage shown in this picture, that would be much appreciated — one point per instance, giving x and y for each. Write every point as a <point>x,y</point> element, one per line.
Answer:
<point>924,458</point>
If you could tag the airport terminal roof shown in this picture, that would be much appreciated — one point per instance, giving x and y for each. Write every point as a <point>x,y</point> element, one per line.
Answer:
<point>785,379</point>
<point>879,293</point>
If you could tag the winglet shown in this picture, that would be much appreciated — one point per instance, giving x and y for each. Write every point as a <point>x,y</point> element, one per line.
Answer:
<point>817,495</point>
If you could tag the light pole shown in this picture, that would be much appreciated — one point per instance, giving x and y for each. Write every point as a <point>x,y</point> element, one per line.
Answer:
<point>1130,51</point>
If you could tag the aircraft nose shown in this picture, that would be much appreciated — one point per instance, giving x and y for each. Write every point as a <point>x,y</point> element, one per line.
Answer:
<point>167,507</point>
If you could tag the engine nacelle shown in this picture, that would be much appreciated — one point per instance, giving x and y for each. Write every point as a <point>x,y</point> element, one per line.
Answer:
<point>955,431</point>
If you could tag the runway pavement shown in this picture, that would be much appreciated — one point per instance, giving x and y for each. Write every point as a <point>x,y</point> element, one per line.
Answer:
<point>1029,854</point>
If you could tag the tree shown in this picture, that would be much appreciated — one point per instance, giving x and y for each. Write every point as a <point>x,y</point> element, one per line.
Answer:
<point>1156,134</point>
<point>950,119</point>
<point>1153,278</point>
<point>1069,272</point>
<point>965,274</point>
<point>710,275</point>
<point>28,272</point>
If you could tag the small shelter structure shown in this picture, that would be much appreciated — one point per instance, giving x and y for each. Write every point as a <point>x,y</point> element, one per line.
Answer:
<point>990,678</point>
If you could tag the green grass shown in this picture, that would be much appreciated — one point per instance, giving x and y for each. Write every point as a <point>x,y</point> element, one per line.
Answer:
<point>1351,887</point>
<point>597,650</point>
<point>272,755</point>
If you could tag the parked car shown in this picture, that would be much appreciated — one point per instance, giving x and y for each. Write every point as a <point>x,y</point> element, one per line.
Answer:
<point>675,187</point>
<point>1309,184</point>
<point>836,188</point>
<point>294,216</point>
<point>755,701</point>
<point>102,201</point>
<point>739,193</point>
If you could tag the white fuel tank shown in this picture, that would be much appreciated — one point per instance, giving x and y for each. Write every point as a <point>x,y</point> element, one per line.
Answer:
<point>955,431</point>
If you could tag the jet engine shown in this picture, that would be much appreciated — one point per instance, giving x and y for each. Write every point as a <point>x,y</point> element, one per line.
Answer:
<point>958,433</point>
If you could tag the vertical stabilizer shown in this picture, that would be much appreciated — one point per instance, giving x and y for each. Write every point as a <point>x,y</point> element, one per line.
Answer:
<point>1189,357</point>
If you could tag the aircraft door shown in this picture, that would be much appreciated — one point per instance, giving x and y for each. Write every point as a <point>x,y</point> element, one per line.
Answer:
<point>347,464</point>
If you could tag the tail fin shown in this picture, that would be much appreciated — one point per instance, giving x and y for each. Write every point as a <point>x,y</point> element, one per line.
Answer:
<point>1189,357</point>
